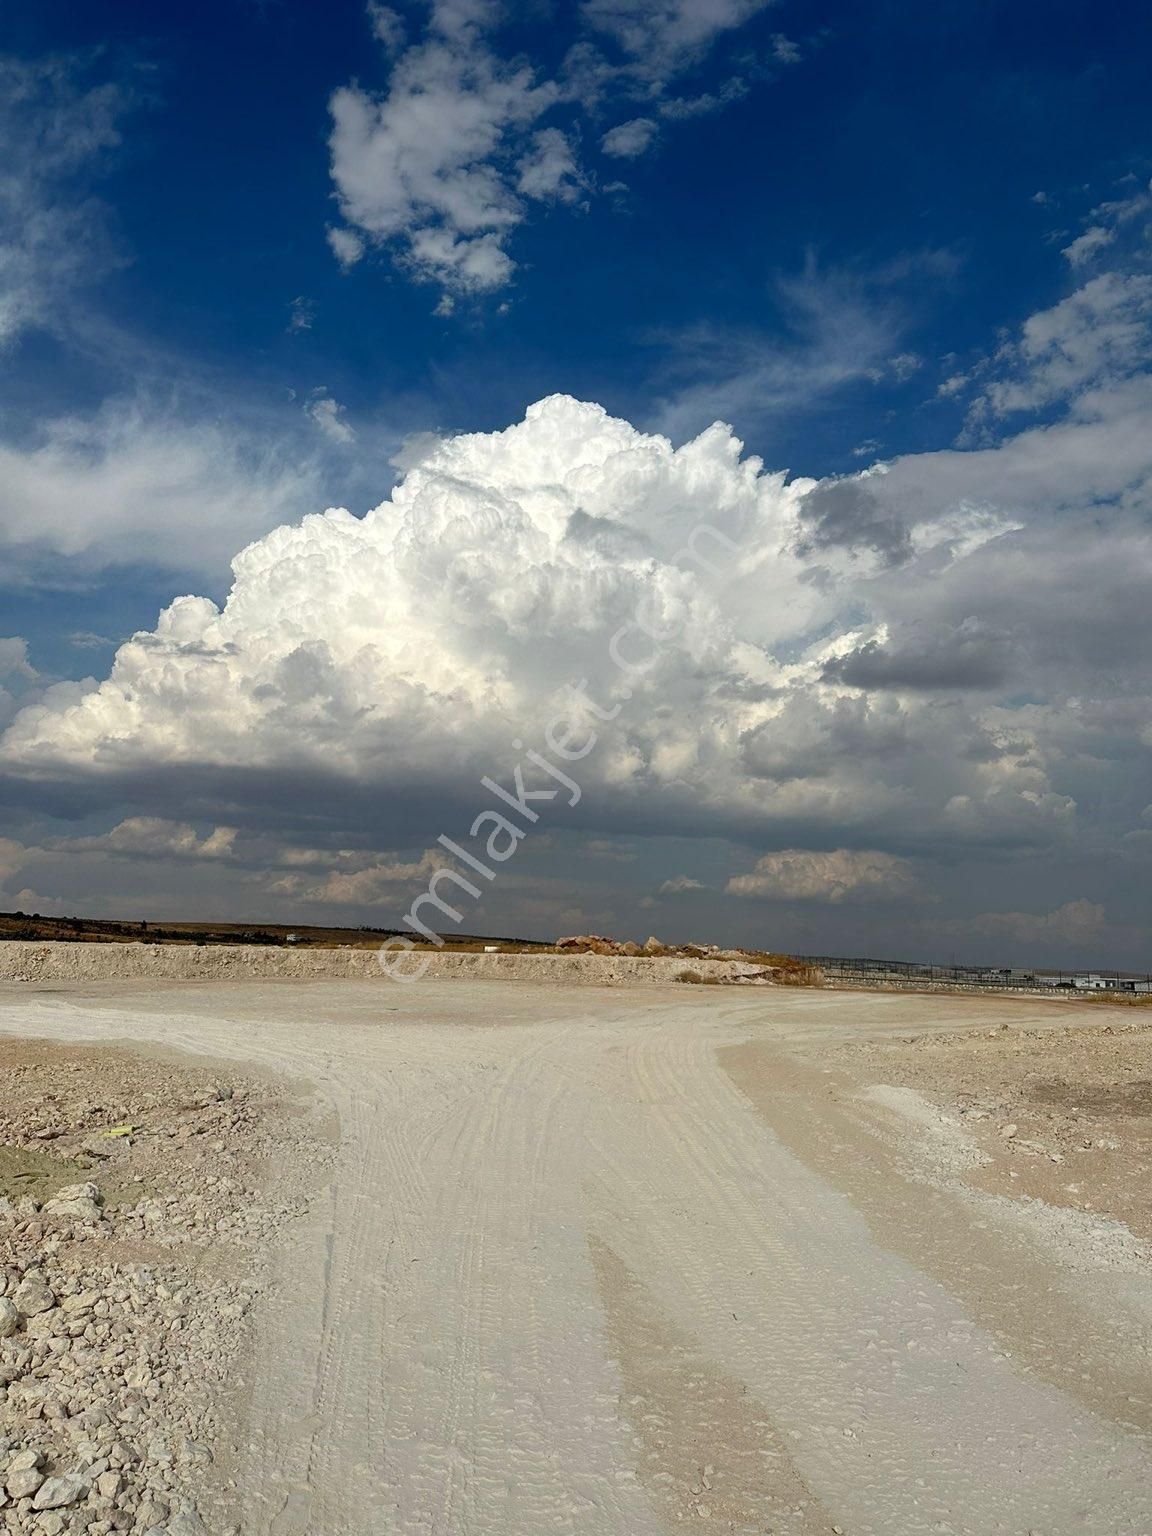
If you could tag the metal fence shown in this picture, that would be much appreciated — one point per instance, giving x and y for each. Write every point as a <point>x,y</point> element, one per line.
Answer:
<point>914,973</point>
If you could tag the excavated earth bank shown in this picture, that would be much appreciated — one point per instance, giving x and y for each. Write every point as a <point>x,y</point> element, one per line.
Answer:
<point>226,962</point>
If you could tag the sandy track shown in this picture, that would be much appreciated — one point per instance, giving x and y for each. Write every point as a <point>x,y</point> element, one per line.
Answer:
<point>580,1272</point>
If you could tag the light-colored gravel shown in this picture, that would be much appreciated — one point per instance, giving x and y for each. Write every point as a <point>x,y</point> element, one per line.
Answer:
<point>37,963</point>
<point>139,1201</point>
<point>611,1261</point>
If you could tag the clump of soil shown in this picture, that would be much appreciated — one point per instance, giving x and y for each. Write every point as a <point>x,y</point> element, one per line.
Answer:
<point>24,1172</point>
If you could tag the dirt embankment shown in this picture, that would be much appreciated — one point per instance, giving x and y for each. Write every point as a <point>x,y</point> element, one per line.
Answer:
<point>138,1200</point>
<point>216,962</point>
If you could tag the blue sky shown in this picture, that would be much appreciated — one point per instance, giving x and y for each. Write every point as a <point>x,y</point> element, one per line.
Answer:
<point>259,259</point>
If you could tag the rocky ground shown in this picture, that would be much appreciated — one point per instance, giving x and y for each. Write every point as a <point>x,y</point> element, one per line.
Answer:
<point>139,1198</point>
<point>1060,1116</point>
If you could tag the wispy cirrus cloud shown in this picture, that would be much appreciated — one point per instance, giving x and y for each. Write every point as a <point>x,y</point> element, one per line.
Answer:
<point>175,476</point>
<point>833,328</point>
<point>57,126</point>
<point>156,482</point>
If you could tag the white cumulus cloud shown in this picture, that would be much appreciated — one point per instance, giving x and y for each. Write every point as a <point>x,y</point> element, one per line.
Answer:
<point>629,140</point>
<point>151,837</point>
<point>432,162</point>
<point>802,875</point>
<point>665,36</point>
<point>443,166</point>
<point>407,650</point>
<point>913,667</point>
<point>331,418</point>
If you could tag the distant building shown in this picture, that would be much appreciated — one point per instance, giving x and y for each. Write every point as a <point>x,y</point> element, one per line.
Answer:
<point>1097,981</point>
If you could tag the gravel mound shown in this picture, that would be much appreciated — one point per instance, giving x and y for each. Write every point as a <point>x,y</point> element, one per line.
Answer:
<point>30,962</point>
<point>127,1282</point>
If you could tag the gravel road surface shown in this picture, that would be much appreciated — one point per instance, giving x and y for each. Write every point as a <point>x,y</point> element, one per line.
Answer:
<point>617,1262</point>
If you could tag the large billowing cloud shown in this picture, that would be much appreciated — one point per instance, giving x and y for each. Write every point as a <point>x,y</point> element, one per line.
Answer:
<point>875,686</point>
<point>404,653</point>
<point>419,641</point>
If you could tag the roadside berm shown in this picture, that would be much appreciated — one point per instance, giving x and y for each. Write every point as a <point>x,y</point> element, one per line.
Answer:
<point>28,962</point>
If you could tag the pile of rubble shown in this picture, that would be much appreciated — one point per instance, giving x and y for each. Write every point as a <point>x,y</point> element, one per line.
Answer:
<point>597,944</point>
<point>125,1297</point>
<point>757,969</point>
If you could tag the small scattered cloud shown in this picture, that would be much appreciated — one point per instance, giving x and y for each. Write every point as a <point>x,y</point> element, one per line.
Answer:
<point>1088,245</point>
<point>1100,334</point>
<point>662,38</point>
<point>800,875</point>
<point>1108,222</point>
<point>150,837</point>
<point>346,245</point>
<point>331,418</point>
<point>548,171</point>
<point>444,166</point>
<point>681,109</point>
<point>377,883</point>
<point>629,140</point>
<point>432,166</point>
<point>301,314</point>
<point>14,658</point>
<point>679,884</point>
<point>904,365</point>
<point>387,26</point>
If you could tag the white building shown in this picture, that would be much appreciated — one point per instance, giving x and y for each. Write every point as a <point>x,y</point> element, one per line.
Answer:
<point>1097,981</point>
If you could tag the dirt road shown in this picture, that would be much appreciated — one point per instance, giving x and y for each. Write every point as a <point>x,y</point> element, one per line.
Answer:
<point>609,1263</point>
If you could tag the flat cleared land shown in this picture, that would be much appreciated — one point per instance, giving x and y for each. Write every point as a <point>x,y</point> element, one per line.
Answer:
<point>615,1262</point>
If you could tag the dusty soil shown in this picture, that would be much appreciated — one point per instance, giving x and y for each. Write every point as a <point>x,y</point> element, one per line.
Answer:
<point>616,1261</point>
<point>1062,1116</point>
<point>139,1200</point>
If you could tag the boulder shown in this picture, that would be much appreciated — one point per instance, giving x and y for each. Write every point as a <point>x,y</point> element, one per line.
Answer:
<point>60,1492</point>
<point>33,1296</point>
<point>24,1482</point>
<point>80,1201</point>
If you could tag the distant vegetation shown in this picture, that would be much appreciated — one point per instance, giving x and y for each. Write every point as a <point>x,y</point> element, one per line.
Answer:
<point>32,926</point>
